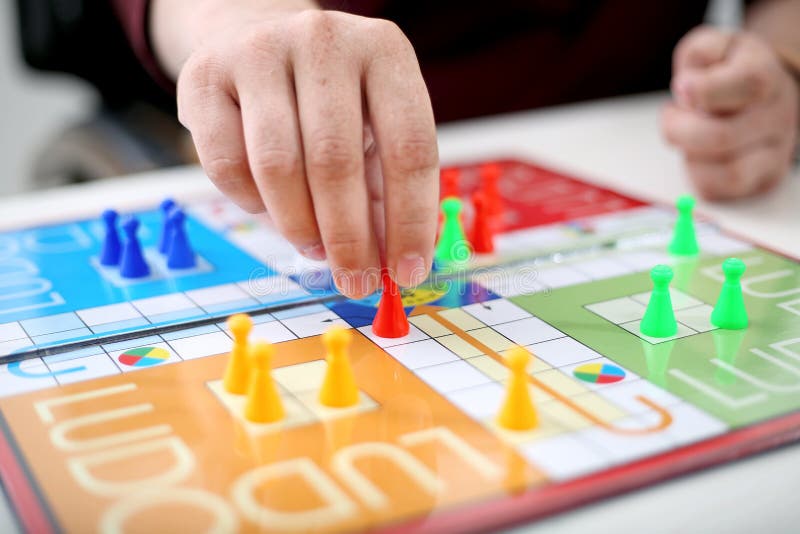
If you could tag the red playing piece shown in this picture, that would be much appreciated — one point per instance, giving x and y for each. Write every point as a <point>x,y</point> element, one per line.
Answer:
<point>490,174</point>
<point>390,320</point>
<point>450,183</point>
<point>482,238</point>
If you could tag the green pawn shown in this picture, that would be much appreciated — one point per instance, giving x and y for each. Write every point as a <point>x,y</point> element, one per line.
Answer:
<point>730,313</point>
<point>452,246</point>
<point>684,240</point>
<point>659,318</point>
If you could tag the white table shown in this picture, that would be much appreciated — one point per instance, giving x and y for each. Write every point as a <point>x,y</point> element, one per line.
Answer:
<point>615,143</point>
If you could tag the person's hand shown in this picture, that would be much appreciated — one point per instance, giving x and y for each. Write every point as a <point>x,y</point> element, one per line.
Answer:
<point>734,115</point>
<point>320,118</point>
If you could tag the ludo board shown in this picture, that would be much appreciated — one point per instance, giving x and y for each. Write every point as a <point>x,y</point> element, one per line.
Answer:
<point>114,420</point>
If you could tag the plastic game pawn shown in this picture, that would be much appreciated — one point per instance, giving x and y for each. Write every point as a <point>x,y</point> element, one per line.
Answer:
<point>659,318</point>
<point>730,312</point>
<point>339,388</point>
<point>490,177</point>
<point>481,238</point>
<point>684,239</point>
<point>452,246</point>
<point>518,412</point>
<point>112,249</point>
<point>390,320</point>
<point>263,403</point>
<point>166,230</point>
<point>237,372</point>
<point>132,264</point>
<point>450,183</point>
<point>180,254</point>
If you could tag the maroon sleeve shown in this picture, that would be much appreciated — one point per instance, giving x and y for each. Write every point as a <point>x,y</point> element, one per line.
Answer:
<point>133,15</point>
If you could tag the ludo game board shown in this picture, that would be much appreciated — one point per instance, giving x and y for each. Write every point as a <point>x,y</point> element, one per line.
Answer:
<point>113,417</point>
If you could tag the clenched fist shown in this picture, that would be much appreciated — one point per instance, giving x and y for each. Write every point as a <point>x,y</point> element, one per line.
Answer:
<point>320,118</point>
<point>734,114</point>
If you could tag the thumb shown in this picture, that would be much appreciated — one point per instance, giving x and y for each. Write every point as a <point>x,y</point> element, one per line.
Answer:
<point>746,75</point>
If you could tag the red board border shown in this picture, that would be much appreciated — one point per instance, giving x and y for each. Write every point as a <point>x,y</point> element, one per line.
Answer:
<point>533,504</point>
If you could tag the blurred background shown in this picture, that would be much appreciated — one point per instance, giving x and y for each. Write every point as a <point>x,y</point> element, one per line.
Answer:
<point>53,130</point>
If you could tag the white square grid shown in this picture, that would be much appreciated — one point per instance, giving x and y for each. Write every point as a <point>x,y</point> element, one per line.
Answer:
<point>298,386</point>
<point>475,384</point>
<point>692,315</point>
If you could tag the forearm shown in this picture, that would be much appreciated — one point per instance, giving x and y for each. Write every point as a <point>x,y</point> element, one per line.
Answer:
<point>177,27</point>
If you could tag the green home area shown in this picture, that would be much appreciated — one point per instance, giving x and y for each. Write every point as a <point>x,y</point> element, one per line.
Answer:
<point>740,376</point>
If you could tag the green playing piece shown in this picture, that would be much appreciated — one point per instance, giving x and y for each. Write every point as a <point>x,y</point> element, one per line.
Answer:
<point>452,246</point>
<point>684,240</point>
<point>659,318</point>
<point>730,313</point>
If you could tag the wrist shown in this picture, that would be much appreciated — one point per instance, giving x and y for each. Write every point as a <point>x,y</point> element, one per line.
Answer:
<point>178,27</point>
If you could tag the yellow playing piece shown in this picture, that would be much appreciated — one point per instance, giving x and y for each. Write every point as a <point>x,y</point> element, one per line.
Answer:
<point>339,388</point>
<point>237,373</point>
<point>263,404</point>
<point>518,412</point>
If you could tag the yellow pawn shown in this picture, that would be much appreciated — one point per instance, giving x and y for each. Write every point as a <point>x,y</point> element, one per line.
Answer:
<point>518,412</point>
<point>263,404</point>
<point>237,372</point>
<point>339,388</point>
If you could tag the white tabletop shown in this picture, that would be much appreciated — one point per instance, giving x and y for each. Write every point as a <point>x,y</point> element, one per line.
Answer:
<point>614,143</point>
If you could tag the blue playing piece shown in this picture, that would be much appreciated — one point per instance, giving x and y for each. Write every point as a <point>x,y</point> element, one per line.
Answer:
<point>180,255</point>
<point>166,229</point>
<point>110,253</point>
<point>132,264</point>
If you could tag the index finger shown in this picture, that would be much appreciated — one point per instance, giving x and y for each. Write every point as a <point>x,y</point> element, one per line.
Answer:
<point>701,47</point>
<point>745,77</point>
<point>402,120</point>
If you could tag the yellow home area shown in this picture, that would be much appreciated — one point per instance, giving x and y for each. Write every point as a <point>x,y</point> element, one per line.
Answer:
<point>169,449</point>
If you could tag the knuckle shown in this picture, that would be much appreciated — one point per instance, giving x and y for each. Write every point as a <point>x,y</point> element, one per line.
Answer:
<point>413,154</point>
<point>757,78</point>
<point>276,163</point>
<point>316,24</point>
<point>202,71</point>
<point>386,29</point>
<point>332,157</point>
<point>346,249</point>
<point>721,139</point>
<point>223,170</point>
<point>738,178</point>
<point>387,40</point>
<point>257,43</point>
<point>299,233</point>
<point>411,231</point>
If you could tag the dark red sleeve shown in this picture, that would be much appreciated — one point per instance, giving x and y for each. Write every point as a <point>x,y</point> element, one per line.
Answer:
<point>133,15</point>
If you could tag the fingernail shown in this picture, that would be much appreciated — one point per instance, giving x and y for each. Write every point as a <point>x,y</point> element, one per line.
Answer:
<point>314,252</point>
<point>411,270</point>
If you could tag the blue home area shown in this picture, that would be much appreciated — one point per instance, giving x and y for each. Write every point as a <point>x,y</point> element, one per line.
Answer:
<point>55,269</point>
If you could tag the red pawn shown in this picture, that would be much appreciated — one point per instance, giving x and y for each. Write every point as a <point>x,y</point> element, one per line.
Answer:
<point>450,183</point>
<point>481,238</point>
<point>490,175</point>
<point>390,320</point>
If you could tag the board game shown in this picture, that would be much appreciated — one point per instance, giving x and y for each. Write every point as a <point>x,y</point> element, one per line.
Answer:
<point>114,416</point>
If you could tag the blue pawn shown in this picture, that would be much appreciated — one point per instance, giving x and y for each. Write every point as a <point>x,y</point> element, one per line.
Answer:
<point>110,253</point>
<point>180,255</point>
<point>166,229</point>
<point>132,264</point>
